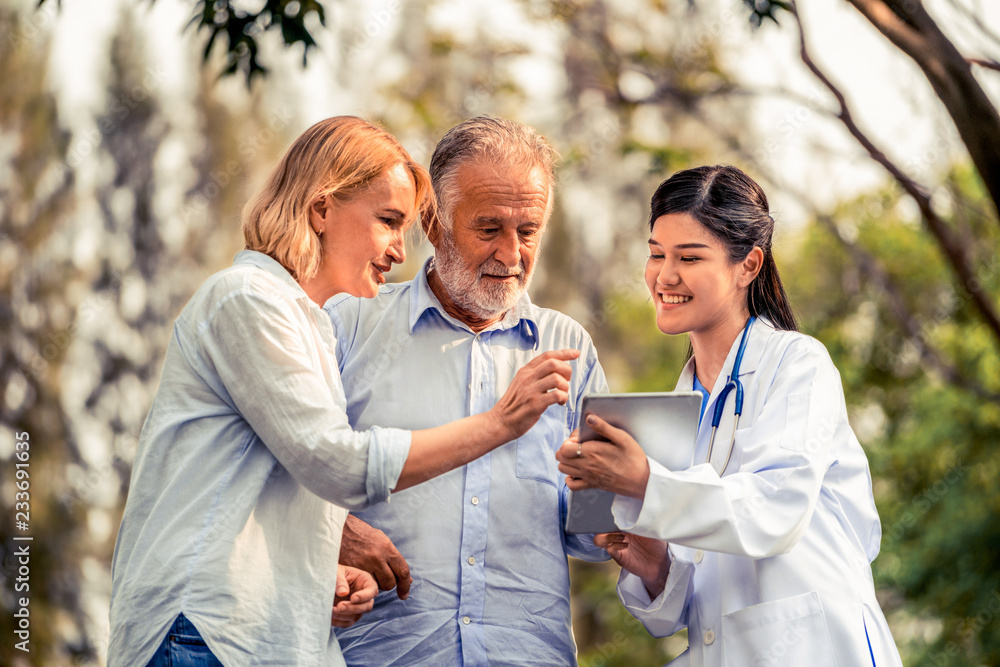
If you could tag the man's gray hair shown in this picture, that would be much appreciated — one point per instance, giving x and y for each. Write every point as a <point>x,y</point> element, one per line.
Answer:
<point>491,139</point>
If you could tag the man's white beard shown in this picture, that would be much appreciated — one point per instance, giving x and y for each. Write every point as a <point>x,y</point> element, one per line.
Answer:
<point>468,290</point>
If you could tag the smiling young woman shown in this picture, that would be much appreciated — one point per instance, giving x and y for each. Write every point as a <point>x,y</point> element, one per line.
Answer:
<point>763,551</point>
<point>697,289</point>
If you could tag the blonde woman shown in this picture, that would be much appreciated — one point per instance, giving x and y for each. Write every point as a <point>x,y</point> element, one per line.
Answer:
<point>228,546</point>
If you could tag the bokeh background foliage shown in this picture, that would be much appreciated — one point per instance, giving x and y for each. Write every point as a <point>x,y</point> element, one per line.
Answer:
<point>113,211</point>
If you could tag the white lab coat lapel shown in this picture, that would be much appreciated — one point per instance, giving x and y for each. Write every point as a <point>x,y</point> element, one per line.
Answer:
<point>759,333</point>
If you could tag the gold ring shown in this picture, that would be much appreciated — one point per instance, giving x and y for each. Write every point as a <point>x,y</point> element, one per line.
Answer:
<point>579,449</point>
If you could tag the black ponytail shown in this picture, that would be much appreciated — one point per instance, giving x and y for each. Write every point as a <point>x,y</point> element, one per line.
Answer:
<point>734,209</point>
<point>767,297</point>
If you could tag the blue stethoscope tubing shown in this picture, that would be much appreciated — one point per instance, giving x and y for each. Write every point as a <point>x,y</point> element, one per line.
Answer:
<point>720,406</point>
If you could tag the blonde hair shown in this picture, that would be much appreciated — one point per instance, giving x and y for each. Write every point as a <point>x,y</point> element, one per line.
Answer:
<point>336,157</point>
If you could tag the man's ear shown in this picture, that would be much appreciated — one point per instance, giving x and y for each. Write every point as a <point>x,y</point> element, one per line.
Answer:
<point>751,266</point>
<point>432,227</point>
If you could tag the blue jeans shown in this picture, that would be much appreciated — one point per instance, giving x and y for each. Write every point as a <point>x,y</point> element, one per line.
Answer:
<point>183,647</point>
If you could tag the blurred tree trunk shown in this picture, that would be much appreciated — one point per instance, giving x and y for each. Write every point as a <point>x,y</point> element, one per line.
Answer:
<point>104,235</point>
<point>36,198</point>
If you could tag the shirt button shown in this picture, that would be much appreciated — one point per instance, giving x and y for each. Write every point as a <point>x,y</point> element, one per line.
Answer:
<point>466,620</point>
<point>709,637</point>
<point>699,556</point>
<point>472,560</point>
<point>475,500</point>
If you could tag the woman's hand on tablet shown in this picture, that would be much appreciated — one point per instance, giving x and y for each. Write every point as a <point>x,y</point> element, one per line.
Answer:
<point>618,465</point>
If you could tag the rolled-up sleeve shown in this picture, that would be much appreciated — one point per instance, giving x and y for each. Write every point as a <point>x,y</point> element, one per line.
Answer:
<point>387,452</point>
<point>266,360</point>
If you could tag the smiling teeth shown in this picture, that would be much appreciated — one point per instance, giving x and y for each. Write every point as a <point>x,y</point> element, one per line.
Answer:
<point>674,299</point>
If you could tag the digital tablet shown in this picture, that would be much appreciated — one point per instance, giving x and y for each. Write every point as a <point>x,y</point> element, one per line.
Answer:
<point>665,424</point>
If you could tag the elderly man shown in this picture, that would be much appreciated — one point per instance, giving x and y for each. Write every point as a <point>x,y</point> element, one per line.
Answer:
<point>485,543</point>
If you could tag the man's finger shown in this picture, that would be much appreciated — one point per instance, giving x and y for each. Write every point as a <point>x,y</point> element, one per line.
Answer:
<point>563,369</point>
<point>565,354</point>
<point>384,576</point>
<point>401,575</point>
<point>557,396</point>
<point>553,367</point>
<point>403,587</point>
<point>400,567</point>
<point>557,367</point>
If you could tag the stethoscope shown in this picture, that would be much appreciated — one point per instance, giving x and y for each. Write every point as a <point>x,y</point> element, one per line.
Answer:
<point>720,405</point>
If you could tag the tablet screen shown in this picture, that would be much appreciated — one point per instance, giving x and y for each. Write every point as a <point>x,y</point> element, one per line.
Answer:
<point>665,424</point>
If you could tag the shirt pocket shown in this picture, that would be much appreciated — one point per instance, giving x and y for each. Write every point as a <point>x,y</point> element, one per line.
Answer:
<point>536,449</point>
<point>790,631</point>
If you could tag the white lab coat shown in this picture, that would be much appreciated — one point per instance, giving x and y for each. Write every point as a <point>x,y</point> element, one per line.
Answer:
<point>771,562</point>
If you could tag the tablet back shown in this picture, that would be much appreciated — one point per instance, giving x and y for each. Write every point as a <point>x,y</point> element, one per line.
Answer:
<point>665,424</point>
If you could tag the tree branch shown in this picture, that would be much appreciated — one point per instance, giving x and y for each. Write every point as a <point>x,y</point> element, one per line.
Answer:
<point>976,21</point>
<point>906,320</point>
<point>908,25</point>
<point>870,266</point>
<point>953,250</point>
<point>667,91</point>
<point>988,64</point>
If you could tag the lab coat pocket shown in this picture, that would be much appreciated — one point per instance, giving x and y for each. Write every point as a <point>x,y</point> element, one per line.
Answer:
<point>795,435</point>
<point>536,449</point>
<point>791,631</point>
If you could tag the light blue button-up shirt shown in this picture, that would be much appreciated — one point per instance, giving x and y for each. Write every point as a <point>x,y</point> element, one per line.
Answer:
<point>229,516</point>
<point>485,543</point>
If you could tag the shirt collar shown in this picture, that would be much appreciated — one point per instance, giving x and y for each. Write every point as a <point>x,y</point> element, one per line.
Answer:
<point>270,265</point>
<point>521,317</point>
<point>759,333</point>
